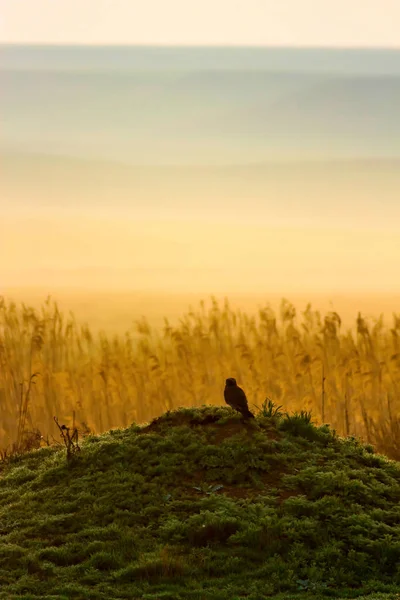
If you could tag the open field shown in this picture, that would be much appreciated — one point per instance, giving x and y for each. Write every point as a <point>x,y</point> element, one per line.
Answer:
<point>303,360</point>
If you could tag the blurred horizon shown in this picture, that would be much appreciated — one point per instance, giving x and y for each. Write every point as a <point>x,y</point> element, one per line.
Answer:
<point>115,311</point>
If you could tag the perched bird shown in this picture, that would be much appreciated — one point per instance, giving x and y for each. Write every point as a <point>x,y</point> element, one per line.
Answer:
<point>236,398</point>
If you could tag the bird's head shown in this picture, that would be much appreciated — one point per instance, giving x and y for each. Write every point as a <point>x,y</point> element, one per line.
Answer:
<point>230,382</point>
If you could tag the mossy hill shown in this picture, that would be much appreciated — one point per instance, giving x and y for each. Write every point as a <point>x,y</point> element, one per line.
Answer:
<point>198,505</point>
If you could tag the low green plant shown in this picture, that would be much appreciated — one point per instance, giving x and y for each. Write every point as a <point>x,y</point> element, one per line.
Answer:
<point>208,489</point>
<point>270,410</point>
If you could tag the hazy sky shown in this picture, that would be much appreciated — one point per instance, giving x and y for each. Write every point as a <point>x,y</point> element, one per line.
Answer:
<point>127,253</point>
<point>244,22</point>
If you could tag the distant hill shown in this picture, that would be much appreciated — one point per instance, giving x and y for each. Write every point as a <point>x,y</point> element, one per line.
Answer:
<point>302,189</point>
<point>189,107</point>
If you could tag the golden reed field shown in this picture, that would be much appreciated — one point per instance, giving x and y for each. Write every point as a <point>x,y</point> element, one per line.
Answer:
<point>51,366</point>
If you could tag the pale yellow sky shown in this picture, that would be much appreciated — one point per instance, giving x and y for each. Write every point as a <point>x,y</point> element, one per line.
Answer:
<point>354,23</point>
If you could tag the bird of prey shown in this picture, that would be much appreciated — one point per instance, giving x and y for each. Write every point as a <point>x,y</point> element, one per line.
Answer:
<point>236,398</point>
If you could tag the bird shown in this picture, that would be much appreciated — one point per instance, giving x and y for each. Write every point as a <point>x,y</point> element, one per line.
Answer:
<point>236,398</point>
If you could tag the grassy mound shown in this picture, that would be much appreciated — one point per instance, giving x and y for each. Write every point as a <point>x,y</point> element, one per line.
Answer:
<point>198,505</point>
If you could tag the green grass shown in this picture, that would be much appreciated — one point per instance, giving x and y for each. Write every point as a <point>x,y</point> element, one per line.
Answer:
<point>200,506</point>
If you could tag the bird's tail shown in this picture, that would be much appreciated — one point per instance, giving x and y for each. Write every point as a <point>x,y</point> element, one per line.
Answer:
<point>249,415</point>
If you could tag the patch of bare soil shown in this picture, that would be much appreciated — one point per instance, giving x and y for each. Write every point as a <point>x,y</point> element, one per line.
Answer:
<point>178,420</point>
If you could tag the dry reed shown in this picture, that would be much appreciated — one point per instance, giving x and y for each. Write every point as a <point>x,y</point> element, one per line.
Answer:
<point>50,365</point>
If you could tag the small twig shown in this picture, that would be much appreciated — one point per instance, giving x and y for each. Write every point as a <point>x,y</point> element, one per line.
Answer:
<point>70,439</point>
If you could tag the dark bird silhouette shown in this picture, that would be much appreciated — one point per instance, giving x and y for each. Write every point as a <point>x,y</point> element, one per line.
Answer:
<point>236,398</point>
